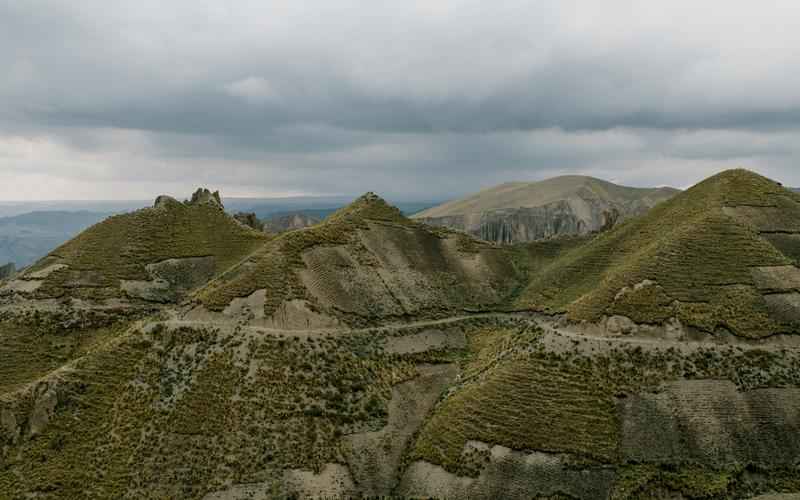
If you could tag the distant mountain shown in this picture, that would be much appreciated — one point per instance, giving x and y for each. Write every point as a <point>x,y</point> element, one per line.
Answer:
<point>528,211</point>
<point>28,237</point>
<point>288,221</point>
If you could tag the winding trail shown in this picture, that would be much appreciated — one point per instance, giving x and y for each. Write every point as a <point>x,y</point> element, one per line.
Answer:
<point>547,324</point>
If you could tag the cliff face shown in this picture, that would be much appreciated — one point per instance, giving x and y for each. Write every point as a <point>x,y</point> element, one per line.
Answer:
<point>530,212</point>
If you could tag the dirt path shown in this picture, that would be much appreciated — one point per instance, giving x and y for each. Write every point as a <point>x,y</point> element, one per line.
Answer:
<point>551,329</point>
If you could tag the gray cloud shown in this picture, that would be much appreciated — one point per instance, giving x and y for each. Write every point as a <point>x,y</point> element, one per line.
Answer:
<point>419,99</point>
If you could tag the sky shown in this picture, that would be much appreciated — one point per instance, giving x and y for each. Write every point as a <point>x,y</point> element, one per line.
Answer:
<point>415,100</point>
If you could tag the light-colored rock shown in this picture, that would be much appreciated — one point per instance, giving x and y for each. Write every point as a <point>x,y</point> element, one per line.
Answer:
<point>451,338</point>
<point>334,481</point>
<point>375,457</point>
<point>21,286</point>
<point>43,410</point>
<point>776,278</point>
<point>508,474</point>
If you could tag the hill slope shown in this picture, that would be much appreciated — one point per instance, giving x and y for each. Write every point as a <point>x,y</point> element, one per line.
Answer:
<point>719,257</point>
<point>149,254</point>
<point>526,211</point>
<point>364,263</point>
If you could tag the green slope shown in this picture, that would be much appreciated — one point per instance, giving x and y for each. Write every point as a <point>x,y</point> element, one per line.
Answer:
<point>367,262</point>
<point>694,257</point>
<point>93,264</point>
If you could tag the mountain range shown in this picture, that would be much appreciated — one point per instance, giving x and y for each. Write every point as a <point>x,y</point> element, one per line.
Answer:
<point>176,352</point>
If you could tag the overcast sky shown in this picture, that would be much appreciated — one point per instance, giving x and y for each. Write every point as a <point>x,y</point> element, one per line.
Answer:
<point>413,99</point>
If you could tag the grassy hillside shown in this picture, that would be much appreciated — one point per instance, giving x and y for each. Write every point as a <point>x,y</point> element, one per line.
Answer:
<point>695,258</point>
<point>93,264</point>
<point>367,262</point>
<point>664,422</point>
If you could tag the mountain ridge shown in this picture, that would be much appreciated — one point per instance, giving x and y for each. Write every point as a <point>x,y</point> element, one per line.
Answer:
<point>527,211</point>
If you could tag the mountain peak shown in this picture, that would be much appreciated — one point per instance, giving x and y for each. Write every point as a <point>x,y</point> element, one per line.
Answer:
<point>205,196</point>
<point>370,206</point>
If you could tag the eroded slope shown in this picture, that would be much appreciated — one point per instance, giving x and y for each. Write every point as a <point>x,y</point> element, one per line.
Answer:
<point>365,264</point>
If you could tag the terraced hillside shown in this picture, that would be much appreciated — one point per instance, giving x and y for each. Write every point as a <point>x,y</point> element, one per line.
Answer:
<point>720,257</point>
<point>366,263</point>
<point>154,254</point>
<point>372,356</point>
<point>545,413</point>
<point>518,212</point>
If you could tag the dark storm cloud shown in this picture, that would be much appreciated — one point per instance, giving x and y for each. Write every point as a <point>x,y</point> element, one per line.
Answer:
<point>421,99</point>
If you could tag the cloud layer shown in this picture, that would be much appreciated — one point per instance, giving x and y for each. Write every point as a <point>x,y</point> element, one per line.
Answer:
<point>417,100</point>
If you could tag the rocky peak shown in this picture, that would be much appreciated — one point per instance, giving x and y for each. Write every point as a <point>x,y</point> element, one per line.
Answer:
<point>249,219</point>
<point>165,201</point>
<point>370,206</point>
<point>204,196</point>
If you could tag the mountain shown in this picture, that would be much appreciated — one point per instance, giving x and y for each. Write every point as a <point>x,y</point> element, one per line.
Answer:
<point>720,257</point>
<point>152,254</point>
<point>26,238</point>
<point>288,221</point>
<point>374,356</point>
<point>527,211</point>
<point>367,263</point>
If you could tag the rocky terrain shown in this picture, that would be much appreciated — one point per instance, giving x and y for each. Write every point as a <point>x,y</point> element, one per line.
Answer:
<point>177,353</point>
<point>528,211</point>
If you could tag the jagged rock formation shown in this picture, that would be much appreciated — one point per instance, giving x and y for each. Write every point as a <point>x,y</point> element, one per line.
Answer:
<point>562,206</point>
<point>204,196</point>
<point>7,270</point>
<point>250,220</point>
<point>348,360</point>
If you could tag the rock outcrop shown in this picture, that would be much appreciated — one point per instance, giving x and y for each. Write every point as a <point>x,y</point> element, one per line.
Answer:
<point>250,220</point>
<point>564,206</point>
<point>204,196</point>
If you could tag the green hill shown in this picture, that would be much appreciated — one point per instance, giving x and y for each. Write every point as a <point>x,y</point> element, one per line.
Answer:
<point>150,254</point>
<point>720,256</point>
<point>366,263</point>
